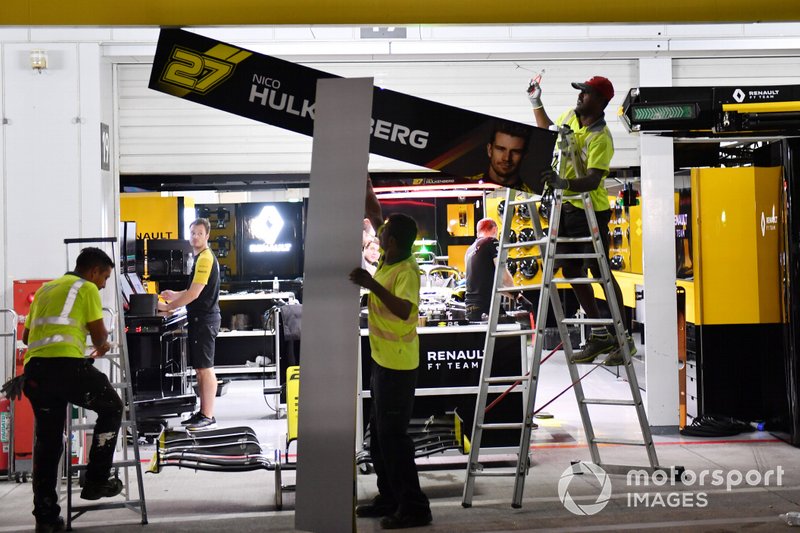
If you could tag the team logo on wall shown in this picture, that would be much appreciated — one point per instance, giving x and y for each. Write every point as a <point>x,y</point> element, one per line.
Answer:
<point>267,226</point>
<point>455,141</point>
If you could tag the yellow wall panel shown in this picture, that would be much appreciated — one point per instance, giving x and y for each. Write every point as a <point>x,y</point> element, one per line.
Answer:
<point>455,256</point>
<point>461,220</point>
<point>156,217</point>
<point>635,217</point>
<point>736,268</point>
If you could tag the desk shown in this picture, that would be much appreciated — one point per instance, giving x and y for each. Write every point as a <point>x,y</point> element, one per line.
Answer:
<point>158,361</point>
<point>449,373</point>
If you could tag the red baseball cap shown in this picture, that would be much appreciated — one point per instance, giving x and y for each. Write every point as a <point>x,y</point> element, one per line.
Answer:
<point>598,85</point>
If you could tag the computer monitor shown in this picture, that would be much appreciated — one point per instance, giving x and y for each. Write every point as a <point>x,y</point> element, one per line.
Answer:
<point>127,240</point>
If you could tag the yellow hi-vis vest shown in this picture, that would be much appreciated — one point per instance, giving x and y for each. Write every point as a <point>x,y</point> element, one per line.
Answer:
<point>393,341</point>
<point>595,149</point>
<point>59,313</point>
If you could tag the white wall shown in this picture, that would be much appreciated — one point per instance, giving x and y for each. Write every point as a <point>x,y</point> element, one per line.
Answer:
<point>52,185</point>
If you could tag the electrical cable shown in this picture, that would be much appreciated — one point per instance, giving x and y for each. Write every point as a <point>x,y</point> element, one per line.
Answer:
<point>267,313</point>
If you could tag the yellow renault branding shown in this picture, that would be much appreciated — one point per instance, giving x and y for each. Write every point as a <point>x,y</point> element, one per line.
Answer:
<point>198,72</point>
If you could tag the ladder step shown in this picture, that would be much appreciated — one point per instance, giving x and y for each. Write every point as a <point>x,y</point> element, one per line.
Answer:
<point>494,473</point>
<point>514,288</point>
<point>107,505</point>
<point>589,321</point>
<point>505,379</point>
<point>84,427</point>
<point>502,425</point>
<point>532,199</point>
<point>513,333</point>
<point>115,464</point>
<point>526,244</point>
<point>577,281</point>
<point>624,442</point>
<point>573,239</point>
<point>577,256</point>
<point>602,401</point>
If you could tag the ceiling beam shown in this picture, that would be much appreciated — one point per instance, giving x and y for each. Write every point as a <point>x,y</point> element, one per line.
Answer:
<point>375,12</point>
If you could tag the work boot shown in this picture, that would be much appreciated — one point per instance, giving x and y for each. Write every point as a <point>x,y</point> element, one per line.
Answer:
<point>616,358</point>
<point>94,490</point>
<point>405,520</point>
<point>377,508</point>
<point>595,345</point>
<point>48,527</point>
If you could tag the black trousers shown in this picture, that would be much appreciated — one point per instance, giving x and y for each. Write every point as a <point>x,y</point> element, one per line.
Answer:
<point>390,447</point>
<point>51,383</point>
<point>574,224</point>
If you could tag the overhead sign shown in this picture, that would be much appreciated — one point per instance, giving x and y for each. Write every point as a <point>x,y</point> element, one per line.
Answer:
<point>403,127</point>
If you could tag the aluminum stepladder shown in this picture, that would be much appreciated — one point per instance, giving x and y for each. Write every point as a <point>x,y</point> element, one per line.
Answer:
<point>548,297</point>
<point>126,456</point>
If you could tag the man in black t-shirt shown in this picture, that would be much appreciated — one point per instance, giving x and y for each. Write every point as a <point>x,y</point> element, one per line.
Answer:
<point>481,261</point>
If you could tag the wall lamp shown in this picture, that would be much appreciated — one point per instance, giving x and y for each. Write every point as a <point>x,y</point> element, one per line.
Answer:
<point>39,60</point>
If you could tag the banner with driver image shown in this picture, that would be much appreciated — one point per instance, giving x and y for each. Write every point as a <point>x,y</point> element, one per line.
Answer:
<point>410,129</point>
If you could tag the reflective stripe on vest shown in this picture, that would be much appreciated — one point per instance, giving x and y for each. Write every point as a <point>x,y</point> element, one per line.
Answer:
<point>62,319</point>
<point>54,321</point>
<point>52,340</point>
<point>584,155</point>
<point>389,336</point>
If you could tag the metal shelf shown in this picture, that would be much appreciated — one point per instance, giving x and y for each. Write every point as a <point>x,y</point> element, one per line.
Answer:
<point>253,333</point>
<point>256,296</point>
<point>233,369</point>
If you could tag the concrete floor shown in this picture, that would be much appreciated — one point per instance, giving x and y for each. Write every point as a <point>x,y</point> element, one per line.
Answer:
<point>185,500</point>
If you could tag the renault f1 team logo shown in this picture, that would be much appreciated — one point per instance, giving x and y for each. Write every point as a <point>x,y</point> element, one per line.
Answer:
<point>738,95</point>
<point>191,71</point>
<point>602,480</point>
<point>267,227</point>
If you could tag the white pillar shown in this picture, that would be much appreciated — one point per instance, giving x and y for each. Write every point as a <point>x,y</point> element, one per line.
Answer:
<point>328,387</point>
<point>658,245</point>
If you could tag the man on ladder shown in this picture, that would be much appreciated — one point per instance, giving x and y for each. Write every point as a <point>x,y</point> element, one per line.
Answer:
<point>595,149</point>
<point>57,373</point>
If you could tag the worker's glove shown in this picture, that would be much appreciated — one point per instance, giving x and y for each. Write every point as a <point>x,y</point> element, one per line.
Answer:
<point>535,94</point>
<point>524,303</point>
<point>12,389</point>
<point>553,180</point>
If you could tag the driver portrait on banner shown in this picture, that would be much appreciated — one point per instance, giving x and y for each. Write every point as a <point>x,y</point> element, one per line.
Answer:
<point>506,148</point>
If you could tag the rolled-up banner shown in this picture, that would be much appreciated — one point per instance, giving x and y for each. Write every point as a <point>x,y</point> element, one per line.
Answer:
<point>414,130</point>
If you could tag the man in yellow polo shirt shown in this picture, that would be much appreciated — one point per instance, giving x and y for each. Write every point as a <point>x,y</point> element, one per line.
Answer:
<point>202,310</point>
<point>57,372</point>
<point>595,149</point>
<point>393,309</point>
